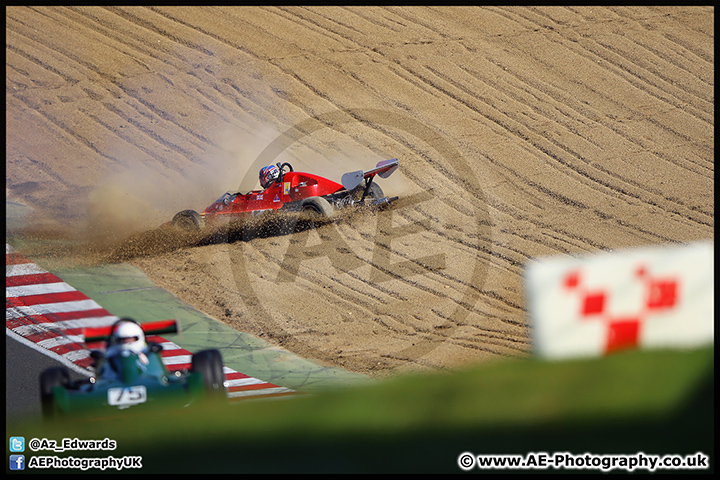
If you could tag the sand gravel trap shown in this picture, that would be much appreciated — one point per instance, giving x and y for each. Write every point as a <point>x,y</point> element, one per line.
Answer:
<point>521,131</point>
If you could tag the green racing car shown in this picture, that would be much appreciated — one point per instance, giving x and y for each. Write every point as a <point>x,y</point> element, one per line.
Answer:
<point>130,374</point>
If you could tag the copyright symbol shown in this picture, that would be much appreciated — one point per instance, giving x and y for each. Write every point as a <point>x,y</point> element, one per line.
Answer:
<point>34,444</point>
<point>466,460</point>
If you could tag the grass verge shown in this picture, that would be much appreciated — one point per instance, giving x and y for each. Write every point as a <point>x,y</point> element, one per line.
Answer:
<point>655,402</point>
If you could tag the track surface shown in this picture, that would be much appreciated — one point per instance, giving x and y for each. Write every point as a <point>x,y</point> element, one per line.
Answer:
<point>521,132</point>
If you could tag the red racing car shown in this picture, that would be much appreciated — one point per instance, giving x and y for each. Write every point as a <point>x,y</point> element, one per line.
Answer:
<point>288,190</point>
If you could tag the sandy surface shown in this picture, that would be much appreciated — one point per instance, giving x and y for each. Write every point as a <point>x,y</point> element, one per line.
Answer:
<point>521,132</point>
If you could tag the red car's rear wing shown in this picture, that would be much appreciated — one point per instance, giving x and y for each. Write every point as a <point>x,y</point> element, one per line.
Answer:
<point>102,334</point>
<point>384,168</point>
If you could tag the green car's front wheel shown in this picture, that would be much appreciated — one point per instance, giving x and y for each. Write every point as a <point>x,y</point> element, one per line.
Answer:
<point>210,364</point>
<point>49,379</point>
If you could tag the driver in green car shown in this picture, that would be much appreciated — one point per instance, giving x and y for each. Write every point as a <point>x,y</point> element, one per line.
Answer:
<point>126,338</point>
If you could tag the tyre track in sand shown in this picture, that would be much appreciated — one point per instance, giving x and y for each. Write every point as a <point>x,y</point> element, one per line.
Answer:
<point>501,119</point>
<point>438,294</point>
<point>102,91</point>
<point>577,129</point>
<point>619,190</point>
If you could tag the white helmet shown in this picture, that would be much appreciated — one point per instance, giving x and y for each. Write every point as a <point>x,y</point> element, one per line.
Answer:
<point>127,335</point>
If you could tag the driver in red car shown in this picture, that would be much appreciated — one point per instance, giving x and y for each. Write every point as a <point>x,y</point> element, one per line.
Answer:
<point>268,175</point>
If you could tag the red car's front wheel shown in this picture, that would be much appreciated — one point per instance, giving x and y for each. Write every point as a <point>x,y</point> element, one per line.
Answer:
<point>188,220</point>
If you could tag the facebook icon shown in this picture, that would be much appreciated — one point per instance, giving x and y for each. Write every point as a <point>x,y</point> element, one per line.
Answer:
<point>17,462</point>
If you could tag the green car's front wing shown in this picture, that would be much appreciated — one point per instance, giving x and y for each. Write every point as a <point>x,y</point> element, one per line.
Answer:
<point>106,397</point>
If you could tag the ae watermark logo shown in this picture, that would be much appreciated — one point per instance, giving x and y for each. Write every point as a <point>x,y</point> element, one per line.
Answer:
<point>383,252</point>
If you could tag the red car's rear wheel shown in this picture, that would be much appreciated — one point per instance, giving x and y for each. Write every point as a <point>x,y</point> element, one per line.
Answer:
<point>318,206</point>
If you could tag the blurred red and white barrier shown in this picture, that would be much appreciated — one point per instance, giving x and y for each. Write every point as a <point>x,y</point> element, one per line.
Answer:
<point>655,297</point>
